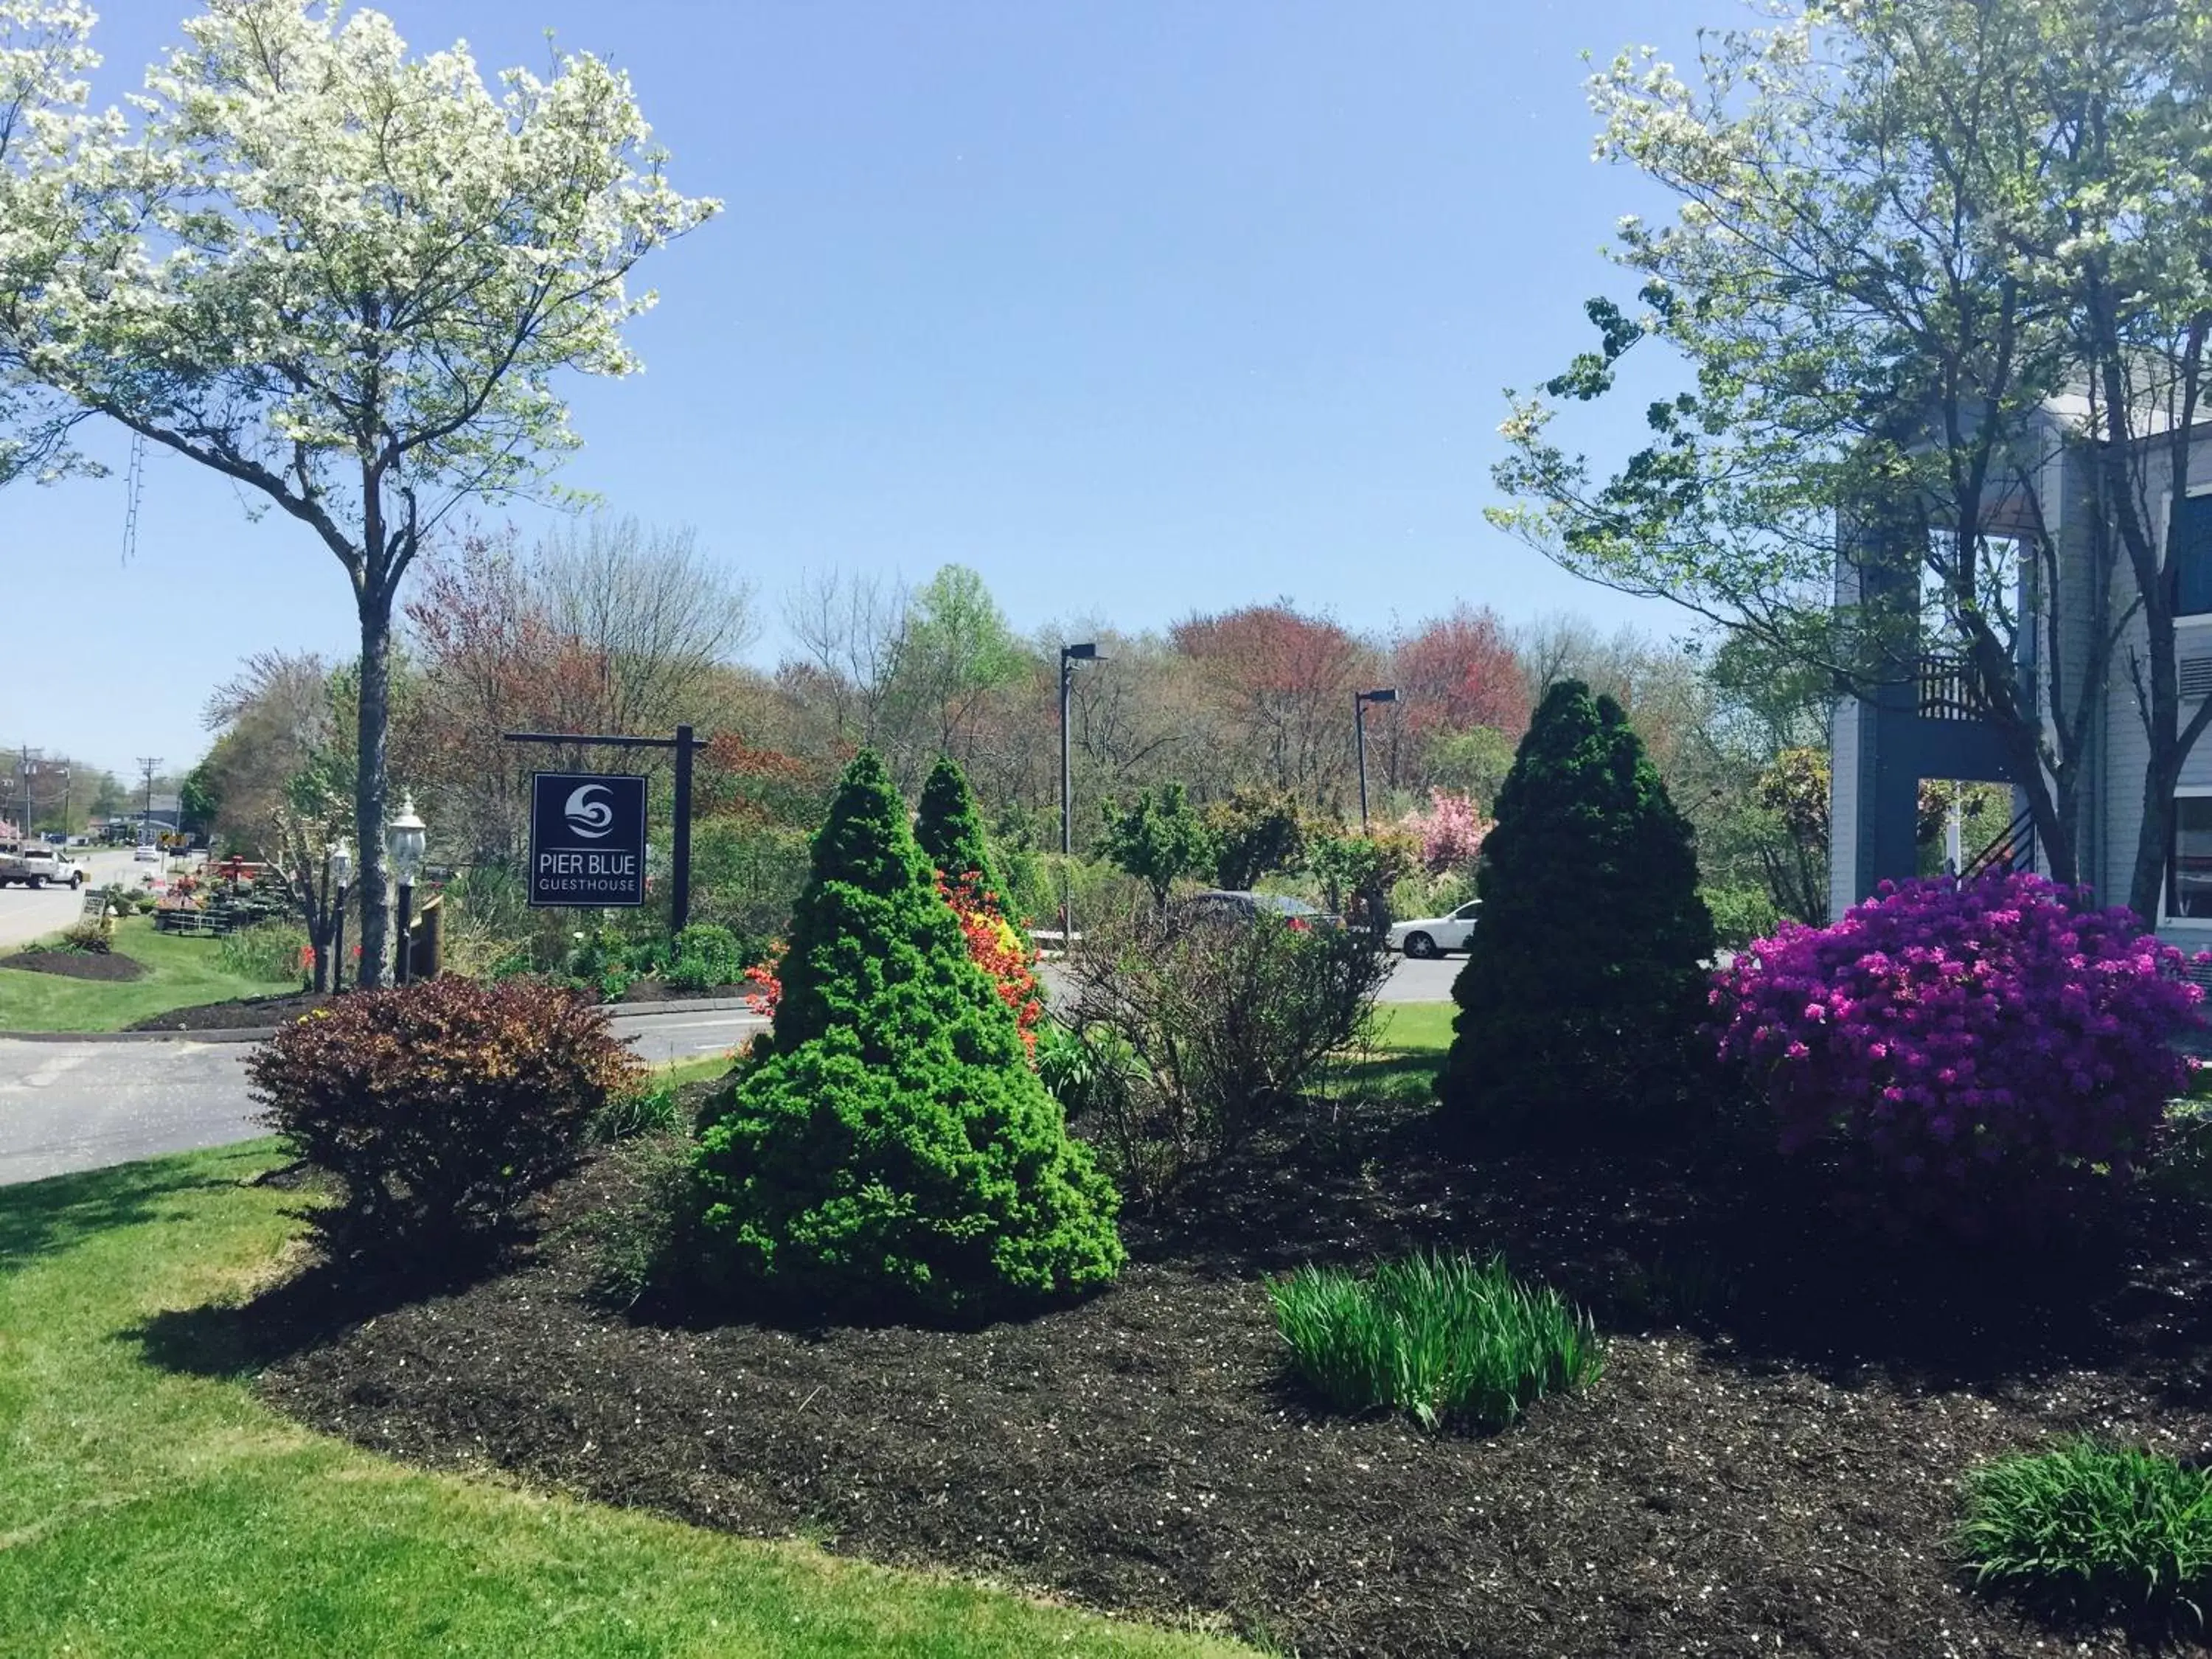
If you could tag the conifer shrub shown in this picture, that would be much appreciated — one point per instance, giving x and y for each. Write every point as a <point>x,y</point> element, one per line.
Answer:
<point>893,1152</point>
<point>950,831</point>
<point>1987,1056</point>
<point>441,1106</point>
<point>1584,988</point>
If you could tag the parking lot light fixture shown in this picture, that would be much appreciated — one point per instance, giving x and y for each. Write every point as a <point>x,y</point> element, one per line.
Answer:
<point>1069,656</point>
<point>1359,701</point>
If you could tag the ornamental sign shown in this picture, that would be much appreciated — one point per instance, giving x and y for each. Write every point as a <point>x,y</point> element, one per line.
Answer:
<point>587,840</point>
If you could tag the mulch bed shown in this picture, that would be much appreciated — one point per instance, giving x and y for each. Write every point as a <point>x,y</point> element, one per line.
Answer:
<point>1767,1465</point>
<point>111,969</point>
<point>241,1013</point>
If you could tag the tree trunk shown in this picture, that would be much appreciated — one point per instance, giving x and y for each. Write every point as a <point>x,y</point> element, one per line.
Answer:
<point>2147,883</point>
<point>369,782</point>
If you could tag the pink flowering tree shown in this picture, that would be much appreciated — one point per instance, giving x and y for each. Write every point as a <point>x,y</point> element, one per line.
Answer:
<point>1451,832</point>
<point>1981,1055</point>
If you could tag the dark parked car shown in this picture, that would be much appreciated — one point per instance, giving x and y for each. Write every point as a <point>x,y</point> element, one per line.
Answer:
<point>1222,905</point>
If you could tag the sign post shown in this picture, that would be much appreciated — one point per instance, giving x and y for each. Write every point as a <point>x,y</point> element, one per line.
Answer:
<point>587,830</point>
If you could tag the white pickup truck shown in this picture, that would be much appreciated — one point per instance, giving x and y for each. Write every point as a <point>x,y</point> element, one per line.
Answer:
<point>36,863</point>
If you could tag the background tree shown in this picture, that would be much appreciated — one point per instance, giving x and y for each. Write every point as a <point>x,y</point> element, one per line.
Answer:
<point>468,246</point>
<point>1283,683</point>
<point>955,651</point>
<point>1159,839</point>
<point>1255,834</point>
<point>1906,230</point>
<point>278,779</point>
<point>1585,981</point>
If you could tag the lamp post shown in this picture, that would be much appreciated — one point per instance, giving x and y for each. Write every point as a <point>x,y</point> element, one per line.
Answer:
<point>1069,656</point>
<point>1359,701</point>
<point>404,842</point>
<point>340,862</point>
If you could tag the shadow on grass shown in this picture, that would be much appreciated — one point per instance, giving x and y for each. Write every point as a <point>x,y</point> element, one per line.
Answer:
<point>314,1307</point>
<point>45,1217</point>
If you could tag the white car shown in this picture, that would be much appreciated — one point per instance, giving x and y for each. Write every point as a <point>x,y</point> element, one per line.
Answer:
<point>1431,936</point>
<point>147,854</point>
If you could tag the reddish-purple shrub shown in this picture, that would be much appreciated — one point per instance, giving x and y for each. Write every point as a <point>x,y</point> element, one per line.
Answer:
<point>439,1107</point>
<point>1976,1055</point>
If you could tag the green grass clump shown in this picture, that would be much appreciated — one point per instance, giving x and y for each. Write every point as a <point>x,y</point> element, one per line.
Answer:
<point>152,1508</point>
<point>2091,1523</point>
<point>1450,1340</point>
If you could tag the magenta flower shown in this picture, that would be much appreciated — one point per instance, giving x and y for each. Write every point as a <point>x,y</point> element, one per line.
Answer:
<point>1975,1054</point>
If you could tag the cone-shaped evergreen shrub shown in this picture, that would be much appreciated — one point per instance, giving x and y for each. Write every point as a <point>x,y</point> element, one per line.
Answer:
<point>951,831</point>
<point>894,1153</point>
<point>1584,985</point>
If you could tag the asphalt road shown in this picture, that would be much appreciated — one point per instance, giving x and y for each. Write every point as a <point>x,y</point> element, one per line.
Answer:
<point>25,916</point>
<point>69,1106</point>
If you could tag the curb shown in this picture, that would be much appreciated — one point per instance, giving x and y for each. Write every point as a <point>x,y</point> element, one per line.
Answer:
<point>259,1033</point>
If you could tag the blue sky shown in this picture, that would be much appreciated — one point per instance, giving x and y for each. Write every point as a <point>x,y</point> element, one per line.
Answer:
<point>1138,308</point>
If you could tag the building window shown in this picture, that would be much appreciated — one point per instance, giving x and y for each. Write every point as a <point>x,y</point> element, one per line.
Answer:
<point>2189,863</point>
<point>2189,555</point>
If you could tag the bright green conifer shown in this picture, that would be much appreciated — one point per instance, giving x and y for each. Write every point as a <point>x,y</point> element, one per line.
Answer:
<point>950,832</point>
<point>894,1153</point>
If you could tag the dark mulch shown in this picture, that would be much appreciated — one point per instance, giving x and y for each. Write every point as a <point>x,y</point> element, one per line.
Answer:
<point>109,967</point>
<point>1767,1466</point>
<point>240,1014</point>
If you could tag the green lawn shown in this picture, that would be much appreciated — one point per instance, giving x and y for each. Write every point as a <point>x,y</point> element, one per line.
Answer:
<point>1416,1028</point>
<point>151,1509</point>
<point>183,972</point>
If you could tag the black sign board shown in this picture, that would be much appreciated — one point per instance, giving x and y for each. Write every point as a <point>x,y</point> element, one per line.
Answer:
<point>587,840</point>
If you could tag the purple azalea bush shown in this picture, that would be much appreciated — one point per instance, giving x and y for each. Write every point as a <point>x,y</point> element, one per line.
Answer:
<point>1965,1052</point>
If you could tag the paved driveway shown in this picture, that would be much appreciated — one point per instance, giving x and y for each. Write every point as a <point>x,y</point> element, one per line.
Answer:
<point>67,1106</point>
<point>25,916</point>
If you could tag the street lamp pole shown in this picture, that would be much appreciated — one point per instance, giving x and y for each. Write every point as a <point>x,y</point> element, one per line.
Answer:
<point>341,866</point>
<point>1359,701</point>
<point>404,839</point>
<point>1069,656</point>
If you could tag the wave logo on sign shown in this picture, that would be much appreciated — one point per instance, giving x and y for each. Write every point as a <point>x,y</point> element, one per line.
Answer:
<point>588,817</point>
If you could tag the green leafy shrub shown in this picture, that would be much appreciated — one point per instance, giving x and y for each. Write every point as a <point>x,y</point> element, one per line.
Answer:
<point>1198,1030</point>
<point>706,955</point>
<point>268,951</point>
<point>439,1106</point>
<point>893,1149</point>
<point>1584,988</point>
<point>1446,1339</point>
<point>2092,1525</point>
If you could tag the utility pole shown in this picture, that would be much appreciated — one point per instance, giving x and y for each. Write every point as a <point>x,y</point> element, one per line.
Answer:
<point>146,765</point>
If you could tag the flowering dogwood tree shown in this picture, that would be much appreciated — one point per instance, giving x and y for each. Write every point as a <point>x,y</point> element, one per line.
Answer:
<point>345,278</point>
